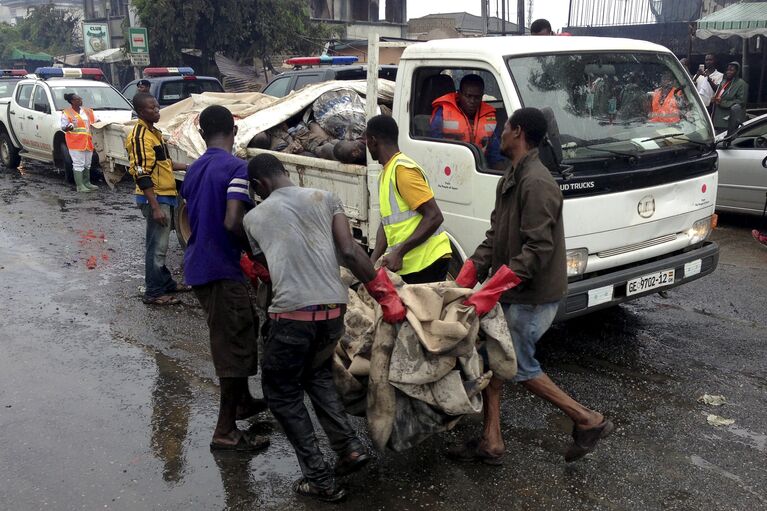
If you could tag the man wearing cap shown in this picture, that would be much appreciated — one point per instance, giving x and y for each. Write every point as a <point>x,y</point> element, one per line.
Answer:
<point>143,86</point>
<point>731,92</point>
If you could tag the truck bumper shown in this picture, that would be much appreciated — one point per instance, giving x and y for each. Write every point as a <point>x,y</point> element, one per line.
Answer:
<point>579,302</point>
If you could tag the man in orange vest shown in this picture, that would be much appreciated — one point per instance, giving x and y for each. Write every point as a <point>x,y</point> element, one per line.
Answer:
<point>76,123</point>
<point>668,102</point>
<point>464,117</point>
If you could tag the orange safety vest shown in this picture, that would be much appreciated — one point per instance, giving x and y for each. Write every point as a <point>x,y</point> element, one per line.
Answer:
<point>456,126</point>
<point>80,138</point>
<point>668,111</point>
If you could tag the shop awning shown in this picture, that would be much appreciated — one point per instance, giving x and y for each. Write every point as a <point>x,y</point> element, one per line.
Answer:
<point>29,55</point>
<point>745,19</point>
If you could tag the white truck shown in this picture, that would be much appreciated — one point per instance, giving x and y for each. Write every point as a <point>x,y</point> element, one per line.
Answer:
<point>639,194</point>
<point>30,119</point>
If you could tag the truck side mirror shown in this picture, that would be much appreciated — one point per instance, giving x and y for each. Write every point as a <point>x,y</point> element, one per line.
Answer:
<point>736,119</point>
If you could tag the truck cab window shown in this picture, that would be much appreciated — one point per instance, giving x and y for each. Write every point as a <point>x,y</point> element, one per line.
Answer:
<point>41,103</point>
<point>24,95</point>
<point>460,106</point>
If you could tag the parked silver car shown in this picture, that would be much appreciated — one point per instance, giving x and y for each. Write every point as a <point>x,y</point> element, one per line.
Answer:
<point>743,168</point>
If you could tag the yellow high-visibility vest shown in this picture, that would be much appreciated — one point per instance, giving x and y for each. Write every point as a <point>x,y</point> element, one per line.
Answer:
<point>399,221</point>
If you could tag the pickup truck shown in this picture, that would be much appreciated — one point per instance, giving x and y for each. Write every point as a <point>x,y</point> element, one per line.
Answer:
<point>639,195</point>
<point>173,84</point>
<point>30,119</point>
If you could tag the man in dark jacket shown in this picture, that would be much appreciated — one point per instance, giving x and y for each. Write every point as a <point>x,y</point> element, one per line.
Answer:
<point>527,234</point>
<point>731,92</point>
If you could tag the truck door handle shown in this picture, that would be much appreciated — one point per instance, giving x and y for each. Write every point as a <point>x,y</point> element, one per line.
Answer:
<point>30,117</point>
<point>12,112</point>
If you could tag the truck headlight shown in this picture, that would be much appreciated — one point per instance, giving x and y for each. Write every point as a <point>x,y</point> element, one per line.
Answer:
<point>700,230</point>
<point>576,261</point>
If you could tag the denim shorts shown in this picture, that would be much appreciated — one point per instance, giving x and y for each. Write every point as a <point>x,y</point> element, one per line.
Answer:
<point>527,324</point>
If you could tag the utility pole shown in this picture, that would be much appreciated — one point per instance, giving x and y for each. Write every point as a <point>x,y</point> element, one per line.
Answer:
<point>485,14</point>
<point>521,16</point>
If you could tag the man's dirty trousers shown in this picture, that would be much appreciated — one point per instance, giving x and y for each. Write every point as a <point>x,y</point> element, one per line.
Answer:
<point>298,358</point>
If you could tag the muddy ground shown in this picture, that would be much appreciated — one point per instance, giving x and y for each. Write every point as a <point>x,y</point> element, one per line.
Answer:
<point>106,403</point>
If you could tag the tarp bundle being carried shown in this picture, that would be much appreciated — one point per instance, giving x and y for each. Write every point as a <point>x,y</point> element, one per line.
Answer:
<point>421,377</point>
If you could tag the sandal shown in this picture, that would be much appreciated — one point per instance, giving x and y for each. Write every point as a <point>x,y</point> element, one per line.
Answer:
<point>181,288</point>
<point>470,451</point>
<point>161,300</point>
<point>306,489</point>
<point>246,442</point>
<point>585,440</point>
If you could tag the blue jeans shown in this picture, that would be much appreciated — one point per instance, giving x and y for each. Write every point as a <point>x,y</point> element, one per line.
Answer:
<point>527,324</point>
<point>158,279</point>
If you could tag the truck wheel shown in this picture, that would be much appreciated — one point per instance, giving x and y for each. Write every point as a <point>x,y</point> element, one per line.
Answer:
<point>69,175</point>
<point>9,155</point>
<point>181,223</point>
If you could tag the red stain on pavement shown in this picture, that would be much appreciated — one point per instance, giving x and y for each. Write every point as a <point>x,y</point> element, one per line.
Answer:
<point>91,263</point>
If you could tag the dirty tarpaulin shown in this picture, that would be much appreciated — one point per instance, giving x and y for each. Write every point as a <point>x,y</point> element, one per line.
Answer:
<point>420,378</point>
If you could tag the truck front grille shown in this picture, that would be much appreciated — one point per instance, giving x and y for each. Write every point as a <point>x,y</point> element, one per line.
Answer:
<point>637,246</point>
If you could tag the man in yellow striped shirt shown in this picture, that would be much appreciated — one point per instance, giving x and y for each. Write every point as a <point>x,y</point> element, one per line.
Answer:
<point>152,169</point>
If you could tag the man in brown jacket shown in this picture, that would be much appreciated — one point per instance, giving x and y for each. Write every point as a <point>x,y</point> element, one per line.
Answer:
<point>527,234</point>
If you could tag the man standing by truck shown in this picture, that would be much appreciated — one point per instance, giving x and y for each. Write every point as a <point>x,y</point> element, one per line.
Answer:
<point>152,169</point>
<point>410,236</point>
<point>216,193</point>
<point>303,234</point>
<point>527,234</point>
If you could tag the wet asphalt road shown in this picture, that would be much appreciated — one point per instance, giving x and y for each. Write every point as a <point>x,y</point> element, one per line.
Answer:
<point>108,404</point>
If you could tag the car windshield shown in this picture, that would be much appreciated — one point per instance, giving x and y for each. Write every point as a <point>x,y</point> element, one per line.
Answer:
<point>6,88</point>
<point>619,103</point>
<point>97,98</point>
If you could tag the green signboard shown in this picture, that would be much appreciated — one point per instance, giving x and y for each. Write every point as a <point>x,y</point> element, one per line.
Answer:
<point>138,40</point>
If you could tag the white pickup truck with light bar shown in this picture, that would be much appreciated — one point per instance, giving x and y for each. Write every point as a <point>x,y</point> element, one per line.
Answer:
<point>30,118</point>
<point>639,190</point>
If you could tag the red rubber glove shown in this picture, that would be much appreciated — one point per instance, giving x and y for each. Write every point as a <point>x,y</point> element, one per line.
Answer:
<point>382,289</point>
<point>467,277</point>
<point>485,299</point>
<point>254,270</point>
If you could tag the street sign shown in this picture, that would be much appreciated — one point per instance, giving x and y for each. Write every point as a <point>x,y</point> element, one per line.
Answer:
<point>96,37</point>
<point>139,59</point>
<point>138,40</point>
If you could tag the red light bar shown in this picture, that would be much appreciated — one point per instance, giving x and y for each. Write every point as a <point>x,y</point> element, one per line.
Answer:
<point>167,71</point>
<point>92,73</point>
<point>14,72</point>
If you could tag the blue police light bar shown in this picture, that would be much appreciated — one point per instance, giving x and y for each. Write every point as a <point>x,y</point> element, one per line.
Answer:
<point>338,60</point>
<point>93,73</point>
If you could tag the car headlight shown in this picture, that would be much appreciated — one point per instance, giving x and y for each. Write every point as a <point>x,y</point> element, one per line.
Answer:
<point>576,261</point>
<point>700,230</point>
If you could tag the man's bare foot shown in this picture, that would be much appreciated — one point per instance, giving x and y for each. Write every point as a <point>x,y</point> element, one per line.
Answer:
<point>594,419</point>
<point>494,448</point>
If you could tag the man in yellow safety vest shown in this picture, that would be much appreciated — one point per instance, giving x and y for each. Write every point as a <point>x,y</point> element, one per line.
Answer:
<point>410,237</point>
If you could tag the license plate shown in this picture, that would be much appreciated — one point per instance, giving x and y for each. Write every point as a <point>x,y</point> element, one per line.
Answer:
<point>650,281</point>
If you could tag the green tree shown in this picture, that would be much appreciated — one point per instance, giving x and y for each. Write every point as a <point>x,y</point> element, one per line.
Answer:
<point>9,39</point>
<point>50,30</point>
<point>240,28</point>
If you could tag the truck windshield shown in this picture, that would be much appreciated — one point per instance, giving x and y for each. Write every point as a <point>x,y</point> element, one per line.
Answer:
<point>613,103</point>
<point>97,98</point>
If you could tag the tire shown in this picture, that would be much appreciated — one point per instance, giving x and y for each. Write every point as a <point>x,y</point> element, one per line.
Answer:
<point>69,175</point>
<point>181,224</point>
<point>9,155</point>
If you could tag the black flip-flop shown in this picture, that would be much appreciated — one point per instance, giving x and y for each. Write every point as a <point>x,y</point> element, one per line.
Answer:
<point>246,442</point>
<point>470,452</point>
<point>585,440</point>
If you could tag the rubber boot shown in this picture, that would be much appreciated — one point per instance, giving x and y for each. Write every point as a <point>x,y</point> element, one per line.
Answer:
<point>79,182</point>
<point>87,179</point>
